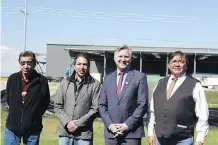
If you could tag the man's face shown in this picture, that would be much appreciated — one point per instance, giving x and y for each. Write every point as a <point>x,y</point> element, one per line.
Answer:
<point>122,59</point>
<point>81,67</point>
<point>177,65</point>
<point>26,64</point>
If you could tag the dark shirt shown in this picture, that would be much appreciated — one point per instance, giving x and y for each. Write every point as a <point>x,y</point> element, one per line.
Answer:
<point>25,86</point>
<point>78,86</point>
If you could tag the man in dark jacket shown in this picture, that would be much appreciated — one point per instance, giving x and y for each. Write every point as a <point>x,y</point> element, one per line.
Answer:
<point>28,97</point>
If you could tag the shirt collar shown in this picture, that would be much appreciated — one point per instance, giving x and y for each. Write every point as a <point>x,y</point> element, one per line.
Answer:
<point>125,71</point>
<point>80,81</point>
<point>86,79</point>
<point>22,78</point>
<point>182,76</point>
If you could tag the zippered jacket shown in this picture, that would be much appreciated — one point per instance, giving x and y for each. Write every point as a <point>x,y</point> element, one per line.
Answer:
<point>27,117</point>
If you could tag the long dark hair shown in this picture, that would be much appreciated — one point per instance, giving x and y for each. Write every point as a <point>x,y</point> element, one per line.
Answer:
<point>87,76</point>
<point>83,55</point>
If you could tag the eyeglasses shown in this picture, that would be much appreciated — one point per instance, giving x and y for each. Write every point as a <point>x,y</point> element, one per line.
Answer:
<point>26,62</point>
<point>177,61</point>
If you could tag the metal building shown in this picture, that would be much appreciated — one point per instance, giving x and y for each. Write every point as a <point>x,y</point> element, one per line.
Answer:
<point>150,60</point>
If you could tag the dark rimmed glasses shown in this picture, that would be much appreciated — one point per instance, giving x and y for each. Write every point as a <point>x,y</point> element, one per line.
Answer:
<point>26,62</point>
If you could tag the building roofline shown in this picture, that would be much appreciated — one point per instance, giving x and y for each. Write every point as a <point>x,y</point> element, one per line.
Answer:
<point>197,50</point>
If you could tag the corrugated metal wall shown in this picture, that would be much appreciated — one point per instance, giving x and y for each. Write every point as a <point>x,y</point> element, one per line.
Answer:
<point>57,60</point>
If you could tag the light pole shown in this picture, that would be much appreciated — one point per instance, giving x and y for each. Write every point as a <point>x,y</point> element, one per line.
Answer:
<point>25,24</point>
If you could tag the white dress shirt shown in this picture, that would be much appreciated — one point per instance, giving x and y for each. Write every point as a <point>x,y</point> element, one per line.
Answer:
<point>201,109</point>
<point>124,77</point>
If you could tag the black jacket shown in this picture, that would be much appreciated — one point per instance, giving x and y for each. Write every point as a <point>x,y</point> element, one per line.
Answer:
<point>26,118</point>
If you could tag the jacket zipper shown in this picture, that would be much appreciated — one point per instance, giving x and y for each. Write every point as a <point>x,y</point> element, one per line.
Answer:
<point>21,120</point>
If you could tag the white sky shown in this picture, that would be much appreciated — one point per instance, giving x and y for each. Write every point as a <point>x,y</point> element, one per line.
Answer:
<point>9,61</point>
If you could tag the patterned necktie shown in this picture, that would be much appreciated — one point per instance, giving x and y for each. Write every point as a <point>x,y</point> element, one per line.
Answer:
<point>170,88</point>
<point>119,86</point>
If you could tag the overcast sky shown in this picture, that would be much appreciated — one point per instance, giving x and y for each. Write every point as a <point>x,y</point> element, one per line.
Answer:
<point>9,60</point>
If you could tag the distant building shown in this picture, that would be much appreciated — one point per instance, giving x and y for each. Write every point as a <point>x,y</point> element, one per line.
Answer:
<point>150,60</point>
<point>41,63</point>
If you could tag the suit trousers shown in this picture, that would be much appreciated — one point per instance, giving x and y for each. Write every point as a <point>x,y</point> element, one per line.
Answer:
<point>122,141</point>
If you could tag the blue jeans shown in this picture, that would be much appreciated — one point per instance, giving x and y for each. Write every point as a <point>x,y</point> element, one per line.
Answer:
<point>174,141</point>
<point>72,141</point>
<point>13,139</point>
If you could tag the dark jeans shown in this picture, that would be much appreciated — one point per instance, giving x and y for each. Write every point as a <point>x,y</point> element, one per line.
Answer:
<point>13,139</point>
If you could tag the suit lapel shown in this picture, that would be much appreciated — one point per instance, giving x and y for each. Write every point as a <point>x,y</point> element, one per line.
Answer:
<point>70,91</point>
<point>113,85</point>
<point>126,83</point>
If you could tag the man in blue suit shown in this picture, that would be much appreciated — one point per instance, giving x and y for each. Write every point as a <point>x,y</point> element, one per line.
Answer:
<point>123,102</point>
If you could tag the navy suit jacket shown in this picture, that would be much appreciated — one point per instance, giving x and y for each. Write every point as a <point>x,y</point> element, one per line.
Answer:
<point>131,106</point>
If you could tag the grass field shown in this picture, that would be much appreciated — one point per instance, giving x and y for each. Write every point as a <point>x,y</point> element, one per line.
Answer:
<point>212,98</point>
<point>49,136</point>
<point>211,95</point>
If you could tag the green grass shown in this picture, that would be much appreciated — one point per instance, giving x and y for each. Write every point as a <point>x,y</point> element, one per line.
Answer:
<point>211,95</point>
<point>212,98</point>
<point>49,136</point>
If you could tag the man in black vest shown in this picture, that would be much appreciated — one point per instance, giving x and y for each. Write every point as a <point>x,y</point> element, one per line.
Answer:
<point>178,106</point>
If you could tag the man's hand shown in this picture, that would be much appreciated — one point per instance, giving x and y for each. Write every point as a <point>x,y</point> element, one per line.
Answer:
<point>198,143</point>
<point>121,128</point>
<point>151,140</point>
<point>114,128</point>
<point>71,126</point>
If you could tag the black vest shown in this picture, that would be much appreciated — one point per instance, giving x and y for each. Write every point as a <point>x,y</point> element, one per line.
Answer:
<point>175,117</point>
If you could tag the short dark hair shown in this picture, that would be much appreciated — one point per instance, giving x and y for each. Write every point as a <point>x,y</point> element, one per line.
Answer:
<point>83,55</point>
<point>180,53</point>
<point>28,54</point>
